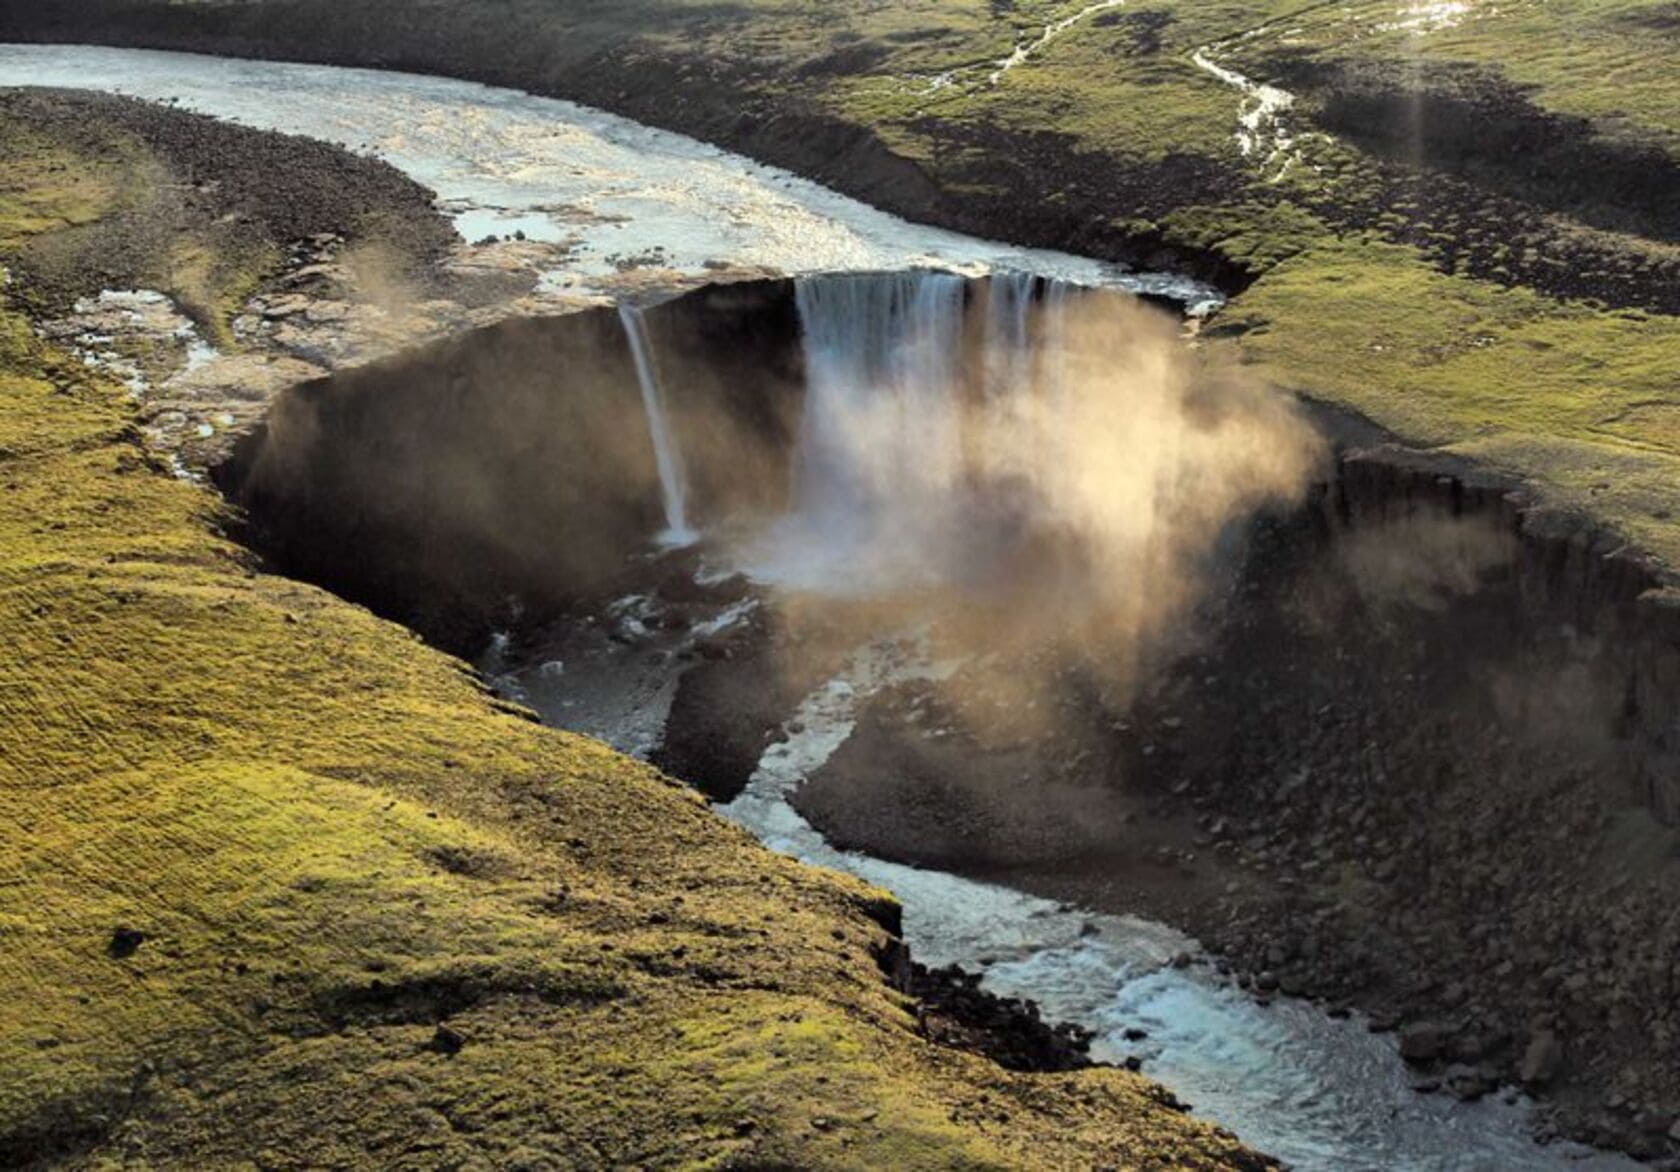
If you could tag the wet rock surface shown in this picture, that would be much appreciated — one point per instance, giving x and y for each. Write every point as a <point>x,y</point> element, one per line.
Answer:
<point>955,1011</point>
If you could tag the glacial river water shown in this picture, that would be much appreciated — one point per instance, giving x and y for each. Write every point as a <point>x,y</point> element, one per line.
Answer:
<point>1323,1094</point>
<point>617,192</point>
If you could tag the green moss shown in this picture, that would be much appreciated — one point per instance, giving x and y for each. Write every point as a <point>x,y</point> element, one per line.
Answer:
<point>1610,61</point>
<point>1514,377</point>
<point>1257,236</point>
<point>45,187</point>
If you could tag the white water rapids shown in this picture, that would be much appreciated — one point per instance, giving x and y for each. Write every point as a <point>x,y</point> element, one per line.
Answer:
<point>1321,1093</point>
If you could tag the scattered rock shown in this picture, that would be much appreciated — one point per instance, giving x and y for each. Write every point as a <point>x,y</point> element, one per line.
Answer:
<point>1468,1083</point>
<point>125,942</point>
<point>956,1011</point>
<point>1422,1041</point>
<point>446,1040</point>
<point>1540,1062</point>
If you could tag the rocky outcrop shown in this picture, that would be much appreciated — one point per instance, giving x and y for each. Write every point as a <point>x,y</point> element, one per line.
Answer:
<point>1574,580</point>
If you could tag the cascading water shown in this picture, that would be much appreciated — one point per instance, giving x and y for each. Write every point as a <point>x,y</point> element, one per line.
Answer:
<point>880,438</point>
<point>667,455</point>
<point>1052,350</point>
<point>1009,351</point>
<point>882,468</point>
<point>880,420</point>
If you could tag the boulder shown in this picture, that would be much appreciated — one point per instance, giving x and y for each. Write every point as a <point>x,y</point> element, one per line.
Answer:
<point>1422,1041</point>
<point>1541,1060</point>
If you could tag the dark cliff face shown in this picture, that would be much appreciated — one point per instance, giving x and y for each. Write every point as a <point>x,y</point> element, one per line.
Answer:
<point>1576,599</point>
<point>513,465</point>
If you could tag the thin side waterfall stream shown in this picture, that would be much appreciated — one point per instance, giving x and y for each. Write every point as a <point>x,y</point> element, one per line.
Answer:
<point>667,456</point>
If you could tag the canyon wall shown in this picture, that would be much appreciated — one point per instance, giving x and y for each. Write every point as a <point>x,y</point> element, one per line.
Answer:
<point>513,465</point>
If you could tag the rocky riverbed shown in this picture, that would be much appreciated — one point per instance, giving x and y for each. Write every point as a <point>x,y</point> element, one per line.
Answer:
<point>1370,784</point>
<point>918,781</point>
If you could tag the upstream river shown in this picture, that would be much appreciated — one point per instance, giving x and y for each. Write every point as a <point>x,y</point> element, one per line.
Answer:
<point>610,194</point>
<point>618,194</point>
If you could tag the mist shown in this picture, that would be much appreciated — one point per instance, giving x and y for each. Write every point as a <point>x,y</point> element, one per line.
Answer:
<point>1038,474</point>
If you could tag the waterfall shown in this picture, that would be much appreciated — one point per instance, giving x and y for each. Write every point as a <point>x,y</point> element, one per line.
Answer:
<point>665,451</point>
<point>1053,339</point>
<point>903,393</point>
<point>1008,332</point>
<point>1026,337</point>
<point>881,421</point>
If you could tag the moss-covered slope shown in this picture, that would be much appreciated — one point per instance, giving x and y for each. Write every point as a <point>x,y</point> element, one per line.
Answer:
<point>282,887</point>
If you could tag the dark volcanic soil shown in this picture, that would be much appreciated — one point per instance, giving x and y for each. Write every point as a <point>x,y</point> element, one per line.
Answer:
<point>244,193</point>
<point>954,1011</point>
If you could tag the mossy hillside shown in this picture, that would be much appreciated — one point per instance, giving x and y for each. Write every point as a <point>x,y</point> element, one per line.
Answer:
<point>45,187</point>
<point>330,841</point>
<point>1609,61</point>
<point>1580,401</point>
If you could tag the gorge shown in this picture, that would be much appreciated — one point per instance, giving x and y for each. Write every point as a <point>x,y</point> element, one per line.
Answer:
<point>873,580</point>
